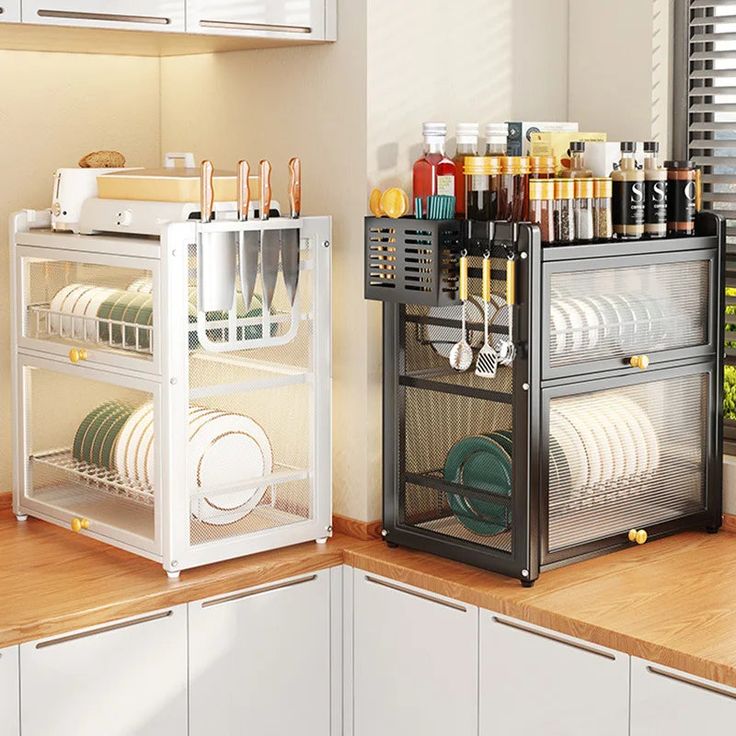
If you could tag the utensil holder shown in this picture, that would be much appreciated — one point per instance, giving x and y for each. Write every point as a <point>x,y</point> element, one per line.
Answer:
<point>217,259</point>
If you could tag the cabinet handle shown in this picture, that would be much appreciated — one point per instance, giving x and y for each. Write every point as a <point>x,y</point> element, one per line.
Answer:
<point>104,629</point>
<point>267,589</point>
<point>552,637</point>
<point>107,17</point>
<point>416,594</point>
<point>639,361</point>
<point>77,354</point>
<point>264,27</point>
<point>687,681</point>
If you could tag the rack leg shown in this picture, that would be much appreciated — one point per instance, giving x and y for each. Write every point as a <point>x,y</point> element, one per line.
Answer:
<point>528,583</point>
<point>392,545</point>
<point>322,540</point>
<point>173,574</point>
<point>21,517</point>
<point>711,529</point>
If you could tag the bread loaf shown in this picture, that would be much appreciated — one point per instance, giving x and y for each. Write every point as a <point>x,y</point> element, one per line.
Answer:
<point>103,160</point>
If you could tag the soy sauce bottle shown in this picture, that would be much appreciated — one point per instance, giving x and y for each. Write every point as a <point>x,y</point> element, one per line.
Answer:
<point>628,202</point>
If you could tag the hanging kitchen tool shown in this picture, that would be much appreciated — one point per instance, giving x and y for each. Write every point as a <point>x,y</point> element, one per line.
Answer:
<point>506,350</point>
<point>487,361</point>
<point>461,355</point>
<point>249,241</point>
<point>216,253</point>
<point>270,240</point>
<point>290,238</point>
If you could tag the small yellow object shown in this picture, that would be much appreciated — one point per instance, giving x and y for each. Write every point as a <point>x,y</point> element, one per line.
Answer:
<point>78,524</point>
<point>77,354</point>
<point>375,203</point>
<point>638,535</point>
<point>632,535</point>
<point>639,361</point>
<point>394,202</point>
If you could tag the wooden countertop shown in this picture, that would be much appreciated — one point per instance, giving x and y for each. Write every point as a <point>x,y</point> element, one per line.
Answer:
<point>672,601</point>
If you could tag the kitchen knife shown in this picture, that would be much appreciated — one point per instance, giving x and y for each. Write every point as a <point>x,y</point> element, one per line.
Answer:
<point>270,240</point>
<point>250,242</point>
<point>290,238</point>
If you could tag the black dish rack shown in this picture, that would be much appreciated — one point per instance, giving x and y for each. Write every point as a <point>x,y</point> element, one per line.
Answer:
<point>606,429</point>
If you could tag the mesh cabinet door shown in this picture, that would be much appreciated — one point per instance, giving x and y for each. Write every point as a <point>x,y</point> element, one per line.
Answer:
<point>634,453</point>
<point>598,313</point>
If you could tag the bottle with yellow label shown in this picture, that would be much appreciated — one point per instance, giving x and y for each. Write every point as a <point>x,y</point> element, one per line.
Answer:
<point>628,201</point>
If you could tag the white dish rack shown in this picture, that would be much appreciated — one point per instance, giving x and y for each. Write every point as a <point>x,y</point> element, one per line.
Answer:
<point>173,492</point>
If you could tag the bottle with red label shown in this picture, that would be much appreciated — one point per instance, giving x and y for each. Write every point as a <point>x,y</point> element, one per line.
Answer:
<point>434,172</point>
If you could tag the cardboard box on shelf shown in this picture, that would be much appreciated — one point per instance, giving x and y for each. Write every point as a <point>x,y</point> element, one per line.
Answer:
<point>601,157</point>
<point>520,133</point>
<point>557,144</point>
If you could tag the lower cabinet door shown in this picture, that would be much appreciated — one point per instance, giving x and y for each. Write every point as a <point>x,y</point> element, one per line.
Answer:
<point>666,701</point>
<point>259,661</point>
<point>121,679</point>
<point>534,681</point>
<point>415,661</point>
<point>9,704</point>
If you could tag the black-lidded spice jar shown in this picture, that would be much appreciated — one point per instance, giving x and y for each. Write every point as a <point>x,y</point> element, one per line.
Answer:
<point>681,196</point>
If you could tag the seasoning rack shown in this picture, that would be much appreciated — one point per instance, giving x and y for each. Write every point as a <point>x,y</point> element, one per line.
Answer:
<point>571,490</point>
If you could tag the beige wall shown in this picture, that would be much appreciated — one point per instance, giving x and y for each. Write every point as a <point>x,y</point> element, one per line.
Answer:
<point>54,108</point>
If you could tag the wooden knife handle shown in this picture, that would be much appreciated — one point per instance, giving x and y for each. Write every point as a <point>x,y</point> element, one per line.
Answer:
<point>265,202</point>
<point>243,190</point>
<point>295,186</point>
<point>207,191</point>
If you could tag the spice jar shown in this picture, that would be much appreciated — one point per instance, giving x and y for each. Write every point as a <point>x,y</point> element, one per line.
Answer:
<point>481,186</point>
<point>583,190</point>
<point>602,221</point>
<point>564,214</point>
<point>577,162</point>
<point>496,135</point>
<point>513,195</point>
<point>542,207</point>
<point>542,167</point>
<point>628,195</point>
<point>681,194</point>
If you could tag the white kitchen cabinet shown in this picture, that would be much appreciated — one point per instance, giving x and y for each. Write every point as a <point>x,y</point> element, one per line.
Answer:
<point>666,701</point>
<point>9,695</point>
<point>288,19</point>
<point>415,661</point>
<point>9,11</point>
<point>264,660</point>
<point>127,677</point>
<point>534,681</point>
<point>141,15</point>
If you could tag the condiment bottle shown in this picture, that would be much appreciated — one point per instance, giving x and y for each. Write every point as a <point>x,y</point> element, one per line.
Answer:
<point>602,221</point>
<point>655,193</point>
<point>542,167</point>
<point>496,135</point>
<point>583,190</point>
<point>433,173</point>
<point>466,140</point>
<point>481,184</point>
<point>681,195</point>
<point>564,214</point>
<point>577,162</point>
<point>542,207</point>
<point>628,195</point>
<point>513,195</point>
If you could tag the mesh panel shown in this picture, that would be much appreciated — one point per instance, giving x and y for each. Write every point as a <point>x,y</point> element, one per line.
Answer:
<point>107,307</point>
<point>625,458</point>
<point>86,460</point>
<point>617,312</point>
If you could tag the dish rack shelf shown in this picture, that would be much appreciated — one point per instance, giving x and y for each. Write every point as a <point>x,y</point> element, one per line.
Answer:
<point>606,422</point>
<point>181,435</point>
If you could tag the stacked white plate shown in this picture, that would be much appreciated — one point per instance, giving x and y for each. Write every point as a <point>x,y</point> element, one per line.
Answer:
<point>599,445</point>
<point>225,451</point>
<point>80,302</point>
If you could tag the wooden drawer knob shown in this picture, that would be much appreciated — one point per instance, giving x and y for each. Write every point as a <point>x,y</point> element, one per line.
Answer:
<point>77,354</point>
<point>78,524</point>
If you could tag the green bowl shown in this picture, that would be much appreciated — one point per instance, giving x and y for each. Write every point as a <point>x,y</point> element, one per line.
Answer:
<point>84,426</point>
<point>95,436</point>
<point>112,429</point>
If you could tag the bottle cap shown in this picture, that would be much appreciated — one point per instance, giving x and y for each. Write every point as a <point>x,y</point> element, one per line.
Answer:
<point>434,130</point>
<point>515,164</point>
<point>583,188</point>
<point>679,165</point>
<point>651,146</point>
<point>564,188</point>
<point>603,188</point>
<point>542,164</point>
<point>628,146</point>
<point>577,146</point>
<point>481,165</point>
<point>496,132</point>
<point>467,132</point>
<point>541,189</point>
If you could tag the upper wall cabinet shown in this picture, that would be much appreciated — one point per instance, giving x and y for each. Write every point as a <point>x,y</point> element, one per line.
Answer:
<point>9,11</point>
<point>149,15</point>
<point>293,19</point>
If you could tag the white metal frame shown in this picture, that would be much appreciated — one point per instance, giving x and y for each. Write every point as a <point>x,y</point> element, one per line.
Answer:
<point>168,382</point>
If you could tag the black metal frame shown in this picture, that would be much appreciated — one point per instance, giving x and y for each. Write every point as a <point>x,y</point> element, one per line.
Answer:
<point>532,389</point>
